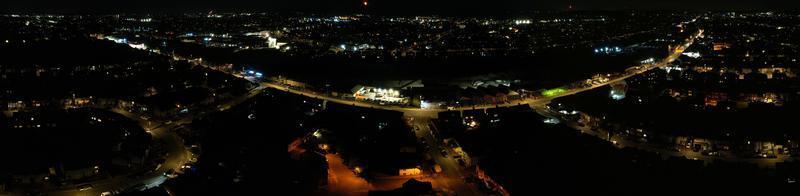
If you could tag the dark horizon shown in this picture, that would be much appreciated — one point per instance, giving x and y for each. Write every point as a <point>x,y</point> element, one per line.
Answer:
<point>380,7</point>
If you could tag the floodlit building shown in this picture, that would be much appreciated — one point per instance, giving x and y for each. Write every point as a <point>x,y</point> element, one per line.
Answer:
<point>410,172</point>
<point>378,94</point>
<point>618,90</point>
<point>721,45</point>
<point>272,42</point>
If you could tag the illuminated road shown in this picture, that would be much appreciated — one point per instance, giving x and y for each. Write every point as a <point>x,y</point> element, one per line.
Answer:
<point>432,112</point>
<point>419,112</point>
<point>452,176</point>
<point>409,111</point>
<point>342,180</point>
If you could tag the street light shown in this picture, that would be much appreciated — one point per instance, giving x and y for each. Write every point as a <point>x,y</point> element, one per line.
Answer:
<point>317,134</point>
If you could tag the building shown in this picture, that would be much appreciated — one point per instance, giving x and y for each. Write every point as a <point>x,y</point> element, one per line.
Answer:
<point>378,94</point>
<point>410,172</point>
<point>618,90</point>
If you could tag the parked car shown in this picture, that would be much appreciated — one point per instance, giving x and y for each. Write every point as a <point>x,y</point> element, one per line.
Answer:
<point>84,187</point>
<point>170,173</point>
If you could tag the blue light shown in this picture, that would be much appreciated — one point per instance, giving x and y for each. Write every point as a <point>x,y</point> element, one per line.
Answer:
<point>258,74</point>
<point>608,50</point>
<point>617,94</point>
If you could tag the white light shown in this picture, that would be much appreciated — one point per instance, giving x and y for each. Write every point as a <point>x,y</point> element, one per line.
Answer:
<point>551,121</point>
<point>317,134</point>
<point>692,54</point>
<point>424,105</point>
<point>138,46</point>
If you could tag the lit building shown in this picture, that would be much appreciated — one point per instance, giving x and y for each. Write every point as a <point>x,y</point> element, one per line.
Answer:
<point>721,45</point>
<point>272,42</point>
<point>713,99</point>
<point>410,172</point>
<point>378,94</point>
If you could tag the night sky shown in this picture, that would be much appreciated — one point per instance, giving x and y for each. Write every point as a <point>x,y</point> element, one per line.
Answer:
<point>443,7</point>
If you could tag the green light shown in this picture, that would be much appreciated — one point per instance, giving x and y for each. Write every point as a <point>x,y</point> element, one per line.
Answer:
<point>553,92</point>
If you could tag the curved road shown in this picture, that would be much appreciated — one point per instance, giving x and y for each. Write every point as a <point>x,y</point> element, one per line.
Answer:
<point>420,112</point>
<point>179,154</point>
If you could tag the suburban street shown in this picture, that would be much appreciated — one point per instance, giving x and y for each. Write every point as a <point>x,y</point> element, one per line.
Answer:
<point>342,180</point>
<point>162,130</point>
<point>452,175</point>
<point>178,156</point>
<point>622,142</point>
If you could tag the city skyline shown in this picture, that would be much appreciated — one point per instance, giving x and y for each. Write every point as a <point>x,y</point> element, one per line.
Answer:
<point>386,7</point>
